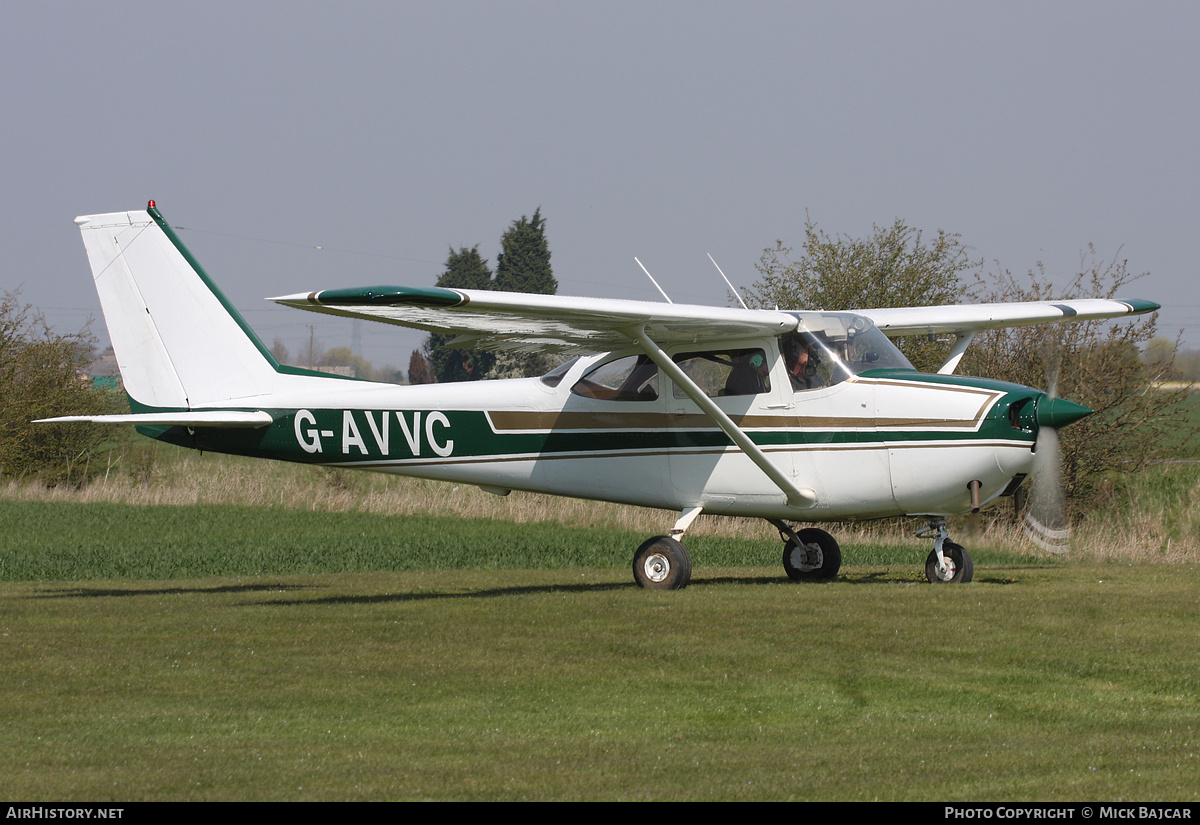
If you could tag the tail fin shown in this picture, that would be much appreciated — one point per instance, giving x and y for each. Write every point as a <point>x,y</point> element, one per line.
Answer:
<point>179,343</point>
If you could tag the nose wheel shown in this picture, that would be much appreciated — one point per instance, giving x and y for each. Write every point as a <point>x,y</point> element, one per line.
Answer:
<point>949,563</point>
<point>957,566</point>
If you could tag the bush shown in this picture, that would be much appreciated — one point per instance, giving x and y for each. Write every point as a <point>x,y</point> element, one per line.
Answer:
<point>42,375</point>
<point>1095,363</point>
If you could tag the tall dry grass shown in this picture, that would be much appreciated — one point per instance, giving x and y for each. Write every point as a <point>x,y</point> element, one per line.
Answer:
<point>163,475</point>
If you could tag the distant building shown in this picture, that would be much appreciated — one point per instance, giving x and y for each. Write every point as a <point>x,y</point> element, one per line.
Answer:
<point>104,364</point>
<point>103,373</point>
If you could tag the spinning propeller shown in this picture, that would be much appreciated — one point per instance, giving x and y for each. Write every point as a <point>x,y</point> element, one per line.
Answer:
<point>1047,521</point>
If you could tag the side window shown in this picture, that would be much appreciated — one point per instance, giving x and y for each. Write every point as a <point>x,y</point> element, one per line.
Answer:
<point>726,372</point>
<point>811,361</point>
<point>633,378</point>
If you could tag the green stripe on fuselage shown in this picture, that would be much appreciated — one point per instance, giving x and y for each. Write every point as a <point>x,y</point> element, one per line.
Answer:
<point>353,436</point>
<point>948,380</point>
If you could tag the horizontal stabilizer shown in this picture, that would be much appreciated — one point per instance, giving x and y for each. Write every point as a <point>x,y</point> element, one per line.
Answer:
<point>198,418</point>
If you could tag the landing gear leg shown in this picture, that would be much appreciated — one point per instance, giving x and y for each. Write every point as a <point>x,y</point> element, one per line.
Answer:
<point>949,562</point>
<point>663,563</point>
<point>810,554</point>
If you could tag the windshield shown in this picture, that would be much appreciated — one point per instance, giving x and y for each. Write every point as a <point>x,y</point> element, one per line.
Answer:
<point>555,376</point>
<point>829,347</point>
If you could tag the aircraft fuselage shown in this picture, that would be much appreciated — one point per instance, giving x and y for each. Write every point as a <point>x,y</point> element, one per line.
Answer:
<point>882,443</point>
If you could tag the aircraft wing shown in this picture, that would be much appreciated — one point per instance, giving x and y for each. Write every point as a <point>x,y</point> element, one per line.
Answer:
<point>521,322</point>
<point>973,318</point>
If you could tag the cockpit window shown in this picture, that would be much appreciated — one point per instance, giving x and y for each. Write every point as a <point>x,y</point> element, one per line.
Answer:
<point>828,348</point>
<point>632,378</point>
<point>726,372</point>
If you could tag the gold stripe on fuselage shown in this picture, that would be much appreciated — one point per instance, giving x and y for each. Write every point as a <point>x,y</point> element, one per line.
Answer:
<point>543,421</point>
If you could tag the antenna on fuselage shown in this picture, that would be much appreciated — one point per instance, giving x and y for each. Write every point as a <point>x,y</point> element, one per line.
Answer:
<point>651,277</point>
<point>736,294</point>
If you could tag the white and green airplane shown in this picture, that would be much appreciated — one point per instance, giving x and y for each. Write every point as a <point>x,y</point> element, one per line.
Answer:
<point>787,416</point>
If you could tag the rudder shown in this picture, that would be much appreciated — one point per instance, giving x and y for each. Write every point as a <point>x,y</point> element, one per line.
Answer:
<point>178,341</point>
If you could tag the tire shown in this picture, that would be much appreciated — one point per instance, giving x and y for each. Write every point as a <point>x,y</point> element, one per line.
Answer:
<point>819,559</point>
<point>662,563</point>
<point>961,566</point>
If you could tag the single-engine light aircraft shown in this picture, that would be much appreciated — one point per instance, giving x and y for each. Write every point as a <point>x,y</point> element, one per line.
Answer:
<point>789,416</point>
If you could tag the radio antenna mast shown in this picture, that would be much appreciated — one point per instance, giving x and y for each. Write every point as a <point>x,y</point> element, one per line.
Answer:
<point>651,277</point>
<point>736,294</point>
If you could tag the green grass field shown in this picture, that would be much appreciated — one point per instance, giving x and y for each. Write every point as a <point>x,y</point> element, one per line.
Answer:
<point>355,637</point>
<point>1071,682</point>
<point>63,541</point>
<point>220,652</point>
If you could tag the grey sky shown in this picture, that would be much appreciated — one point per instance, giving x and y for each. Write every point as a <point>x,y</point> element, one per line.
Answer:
<point>386,132</point>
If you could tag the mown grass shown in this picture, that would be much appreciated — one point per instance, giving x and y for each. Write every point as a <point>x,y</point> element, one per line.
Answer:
<point>1073,682</point>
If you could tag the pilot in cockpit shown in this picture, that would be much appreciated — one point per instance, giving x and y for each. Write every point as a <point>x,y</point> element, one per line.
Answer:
<point>801,359</point>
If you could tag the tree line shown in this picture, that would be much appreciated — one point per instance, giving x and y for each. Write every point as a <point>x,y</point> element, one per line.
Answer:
<point>316,356</point>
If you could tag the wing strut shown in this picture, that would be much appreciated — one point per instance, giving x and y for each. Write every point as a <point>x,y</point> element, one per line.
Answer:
<point>962,340</point>
<point>796,496</point>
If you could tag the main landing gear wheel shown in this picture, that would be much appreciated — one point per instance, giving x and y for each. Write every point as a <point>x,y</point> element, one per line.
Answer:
<point>662,563</point>
<point>959,567</point>
<point>816,558</point>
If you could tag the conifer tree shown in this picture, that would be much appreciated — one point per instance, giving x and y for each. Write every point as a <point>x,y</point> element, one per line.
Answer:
<point>523,265</point>
<point>418,369</point>
<point>465,269</point>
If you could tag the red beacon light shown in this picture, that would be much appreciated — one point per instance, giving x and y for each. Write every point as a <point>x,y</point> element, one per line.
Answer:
<point>150,205</point>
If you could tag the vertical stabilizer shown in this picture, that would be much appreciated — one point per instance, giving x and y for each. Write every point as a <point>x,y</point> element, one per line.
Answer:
<point>178,341</point>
